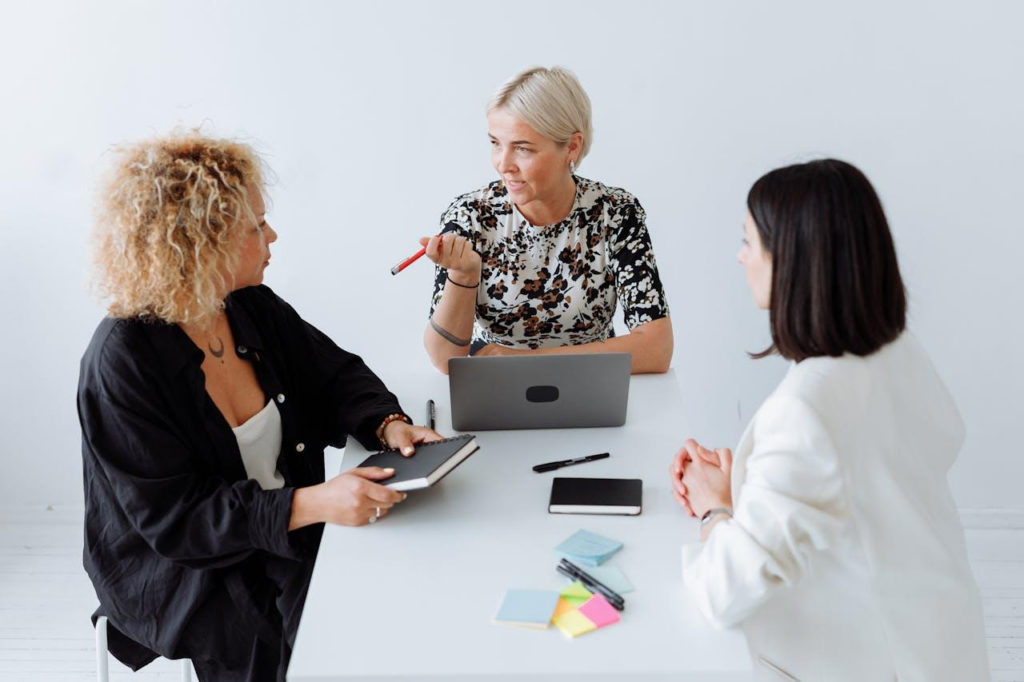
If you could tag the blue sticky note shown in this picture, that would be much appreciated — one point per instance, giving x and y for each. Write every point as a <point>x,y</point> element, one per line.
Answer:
<point>527,608</point>
<point>588,549</point>
<point>612,577</point>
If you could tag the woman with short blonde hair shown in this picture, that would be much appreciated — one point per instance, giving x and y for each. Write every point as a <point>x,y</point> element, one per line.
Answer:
<point>206,404</point>
<point>537,261</point>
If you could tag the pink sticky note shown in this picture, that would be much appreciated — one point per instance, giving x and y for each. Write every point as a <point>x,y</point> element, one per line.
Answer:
<point>599,611</point>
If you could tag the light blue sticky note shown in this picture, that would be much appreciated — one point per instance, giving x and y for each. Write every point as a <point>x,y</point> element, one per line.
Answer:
<point>527,608</point>
<point>588,549</point>
<point>611,577</point>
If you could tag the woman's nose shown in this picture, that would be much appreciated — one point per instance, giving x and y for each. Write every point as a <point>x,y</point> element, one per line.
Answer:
<point>271,234</point>
<point>505,162</point>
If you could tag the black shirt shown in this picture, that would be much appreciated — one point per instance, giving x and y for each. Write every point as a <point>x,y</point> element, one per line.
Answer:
<point>171,517</point>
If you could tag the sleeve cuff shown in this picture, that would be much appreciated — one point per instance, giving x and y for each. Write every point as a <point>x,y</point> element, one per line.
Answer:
<point>269,517</point>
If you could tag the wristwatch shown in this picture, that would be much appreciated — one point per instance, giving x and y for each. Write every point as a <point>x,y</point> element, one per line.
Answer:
<point>712,513</point>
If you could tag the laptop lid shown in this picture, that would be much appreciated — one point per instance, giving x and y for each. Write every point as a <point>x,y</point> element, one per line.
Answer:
<point>539,391</point>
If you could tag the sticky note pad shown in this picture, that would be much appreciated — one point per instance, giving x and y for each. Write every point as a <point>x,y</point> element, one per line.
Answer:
<point>599,611</point>
<point>612,577</point>
<point>527,608</point>
<point>588,549</point>
<point>563,606</point>
<point>574,623</point>
<point>576,594</point>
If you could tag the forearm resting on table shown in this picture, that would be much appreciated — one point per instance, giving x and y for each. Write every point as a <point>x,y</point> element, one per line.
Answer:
<point>454,314</point>
<point>650,345</point>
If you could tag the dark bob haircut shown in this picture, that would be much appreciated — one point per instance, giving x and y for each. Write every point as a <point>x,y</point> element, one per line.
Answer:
<point>836,285</point>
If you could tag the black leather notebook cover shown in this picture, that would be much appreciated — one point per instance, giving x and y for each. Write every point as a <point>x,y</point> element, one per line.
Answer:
<point>596,496</point>
<point>429,465</point>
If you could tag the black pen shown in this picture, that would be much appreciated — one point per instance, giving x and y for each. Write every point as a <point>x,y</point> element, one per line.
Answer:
<point>551,466</point>
<point>430,415</point>
<point>617,603</point>
<point>585,578</point>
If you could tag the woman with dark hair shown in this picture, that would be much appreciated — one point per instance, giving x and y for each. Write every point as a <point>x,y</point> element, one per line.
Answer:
<point>832,535</point>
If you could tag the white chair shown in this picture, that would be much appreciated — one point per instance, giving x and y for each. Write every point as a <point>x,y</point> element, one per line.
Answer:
<point>102,674</point>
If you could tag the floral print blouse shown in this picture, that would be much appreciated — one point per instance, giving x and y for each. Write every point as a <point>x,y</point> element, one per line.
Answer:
<point>559,284</point>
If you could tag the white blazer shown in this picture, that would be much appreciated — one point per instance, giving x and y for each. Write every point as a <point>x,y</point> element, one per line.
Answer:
<point>846,559</point>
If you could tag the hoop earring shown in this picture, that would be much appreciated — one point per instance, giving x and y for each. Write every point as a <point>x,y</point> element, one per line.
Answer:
<point>572,167</point>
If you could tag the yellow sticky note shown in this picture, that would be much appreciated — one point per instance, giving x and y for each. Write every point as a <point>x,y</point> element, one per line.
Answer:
<point>573,623</point>
<point>563,606</point>
<point>576,594</point>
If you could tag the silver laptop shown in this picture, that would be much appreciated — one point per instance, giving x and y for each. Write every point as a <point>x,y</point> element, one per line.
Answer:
<point>539,391</point>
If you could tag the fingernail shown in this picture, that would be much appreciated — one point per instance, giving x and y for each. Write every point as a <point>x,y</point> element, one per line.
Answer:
<point>407,450</point>
<point>389,470</point>
<point>404,495</point>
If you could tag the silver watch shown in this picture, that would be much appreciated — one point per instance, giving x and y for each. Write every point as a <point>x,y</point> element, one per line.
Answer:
<point>712,513</point>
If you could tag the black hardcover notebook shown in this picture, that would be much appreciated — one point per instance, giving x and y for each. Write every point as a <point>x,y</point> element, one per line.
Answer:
<point>596,496</point>
<point>431,463</point>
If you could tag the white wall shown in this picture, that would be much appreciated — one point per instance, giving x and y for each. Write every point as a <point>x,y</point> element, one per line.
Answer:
<point>372,116</point>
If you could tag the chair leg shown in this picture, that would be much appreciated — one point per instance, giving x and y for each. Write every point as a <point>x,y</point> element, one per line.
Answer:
<point>102,673</point>
<point>186,670</point>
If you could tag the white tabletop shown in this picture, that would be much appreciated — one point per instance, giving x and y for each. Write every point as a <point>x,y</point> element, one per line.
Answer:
<point>413,596</point>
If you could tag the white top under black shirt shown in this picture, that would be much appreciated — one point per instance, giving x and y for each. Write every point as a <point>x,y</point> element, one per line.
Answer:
<point>559,284</point>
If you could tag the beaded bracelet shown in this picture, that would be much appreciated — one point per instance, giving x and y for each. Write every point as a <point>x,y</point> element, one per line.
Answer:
<point>384,424</point>
<point>464,286</point>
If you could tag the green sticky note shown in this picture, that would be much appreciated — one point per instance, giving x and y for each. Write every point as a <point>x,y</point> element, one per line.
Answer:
<point>576,594</point>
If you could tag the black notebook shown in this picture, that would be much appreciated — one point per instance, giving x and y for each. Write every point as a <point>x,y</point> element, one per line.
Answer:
<point>431,463</point>
<point>596,496</point>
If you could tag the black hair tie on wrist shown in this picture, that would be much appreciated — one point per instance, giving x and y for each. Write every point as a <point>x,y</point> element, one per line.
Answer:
<point>464,286</point>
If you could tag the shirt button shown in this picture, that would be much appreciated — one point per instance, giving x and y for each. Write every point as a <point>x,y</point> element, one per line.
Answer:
<point>242,350</point>
<point>300,447</point>
<point>280,397</point>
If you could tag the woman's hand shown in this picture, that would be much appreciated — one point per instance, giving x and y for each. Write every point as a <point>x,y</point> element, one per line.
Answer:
<point>456,255</point>
<point>403,437</point>
<point>351,499</point>
<point>494,349</point>
<point>701,478</point>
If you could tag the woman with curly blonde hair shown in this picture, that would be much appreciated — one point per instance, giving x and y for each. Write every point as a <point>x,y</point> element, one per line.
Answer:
<point>206,403</point>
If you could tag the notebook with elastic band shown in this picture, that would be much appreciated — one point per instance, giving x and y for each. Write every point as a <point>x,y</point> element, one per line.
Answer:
<point>622,496</point>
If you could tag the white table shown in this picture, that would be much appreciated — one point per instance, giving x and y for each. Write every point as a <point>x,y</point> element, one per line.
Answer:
<point>413,597</point>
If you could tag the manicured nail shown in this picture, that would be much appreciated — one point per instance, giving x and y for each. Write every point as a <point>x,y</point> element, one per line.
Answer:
<point>407,450</point>
<point>404,495</point>
<point>389,470</point>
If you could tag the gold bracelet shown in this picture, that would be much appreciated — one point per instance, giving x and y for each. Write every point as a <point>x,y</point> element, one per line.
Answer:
<point>384,424</point>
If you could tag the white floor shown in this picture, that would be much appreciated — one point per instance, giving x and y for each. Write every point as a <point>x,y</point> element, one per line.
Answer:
<point>46,600</point>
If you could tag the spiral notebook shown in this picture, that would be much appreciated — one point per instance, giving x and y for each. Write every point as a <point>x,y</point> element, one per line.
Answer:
<point>431,463</point>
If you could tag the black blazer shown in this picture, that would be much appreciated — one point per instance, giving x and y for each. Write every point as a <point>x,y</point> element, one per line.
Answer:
<point>170,516</point>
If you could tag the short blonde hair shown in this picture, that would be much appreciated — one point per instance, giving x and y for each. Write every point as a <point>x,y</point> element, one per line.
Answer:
<point>167,225</point>
<point>551,101</point>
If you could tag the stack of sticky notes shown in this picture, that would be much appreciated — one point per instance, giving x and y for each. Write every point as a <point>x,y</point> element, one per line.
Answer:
<point>588,549</point>
<point>528,608</point>
<point>580,611</point>
<point>574,610</point>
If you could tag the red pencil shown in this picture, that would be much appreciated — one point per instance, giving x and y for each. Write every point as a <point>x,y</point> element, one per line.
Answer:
<point>411,259</point>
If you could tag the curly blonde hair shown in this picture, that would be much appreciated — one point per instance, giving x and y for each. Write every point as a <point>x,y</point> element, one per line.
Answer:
<point>168,222</point>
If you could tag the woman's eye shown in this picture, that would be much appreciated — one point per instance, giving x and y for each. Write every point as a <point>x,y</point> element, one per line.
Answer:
<point>524,150</point>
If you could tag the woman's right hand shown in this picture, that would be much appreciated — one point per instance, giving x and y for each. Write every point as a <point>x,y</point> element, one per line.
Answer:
<point>456,255</point>
<point>352,498</point>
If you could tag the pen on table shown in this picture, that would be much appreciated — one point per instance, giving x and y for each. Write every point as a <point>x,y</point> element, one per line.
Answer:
<point>551,466</point>
<point>591,581</point>
<point>430,414</point>
<point>617,604</point>
<point>413,258</point>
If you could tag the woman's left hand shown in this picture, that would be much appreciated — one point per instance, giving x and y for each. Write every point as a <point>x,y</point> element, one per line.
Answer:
<point>403,437</point>
<point>706,477</point>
